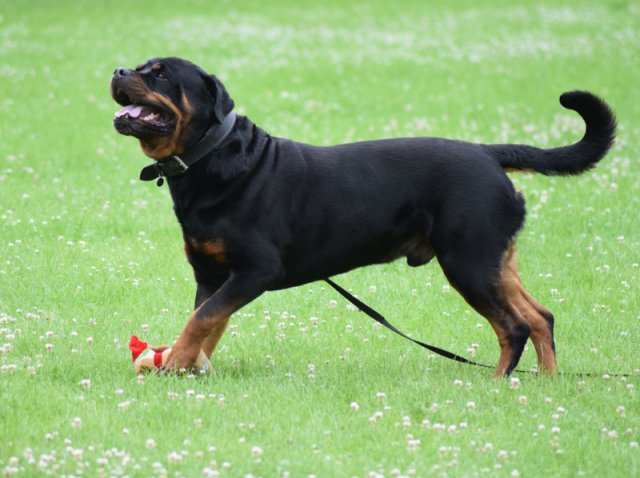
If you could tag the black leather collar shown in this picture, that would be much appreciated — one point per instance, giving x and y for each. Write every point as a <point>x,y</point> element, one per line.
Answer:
<point>175,165</point>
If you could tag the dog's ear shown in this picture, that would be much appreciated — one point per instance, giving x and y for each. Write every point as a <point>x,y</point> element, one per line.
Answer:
<point>222,102</point>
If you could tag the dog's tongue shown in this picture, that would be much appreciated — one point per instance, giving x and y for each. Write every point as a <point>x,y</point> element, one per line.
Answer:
<point>132,110</point>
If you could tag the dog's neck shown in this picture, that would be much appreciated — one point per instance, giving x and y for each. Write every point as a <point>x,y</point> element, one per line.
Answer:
<point>216,173</point>
<point>175,165</point>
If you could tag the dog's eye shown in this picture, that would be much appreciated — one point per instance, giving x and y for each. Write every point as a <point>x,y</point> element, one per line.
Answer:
<point>158,71</point>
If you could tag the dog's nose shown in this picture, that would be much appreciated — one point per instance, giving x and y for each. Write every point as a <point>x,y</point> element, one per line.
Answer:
<point>122,72</point>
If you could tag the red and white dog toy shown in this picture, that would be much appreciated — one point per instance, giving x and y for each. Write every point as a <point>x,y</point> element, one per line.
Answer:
<point>146,359</point>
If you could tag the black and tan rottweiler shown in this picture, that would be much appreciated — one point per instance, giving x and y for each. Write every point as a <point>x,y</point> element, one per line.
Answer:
<point>262,213</point>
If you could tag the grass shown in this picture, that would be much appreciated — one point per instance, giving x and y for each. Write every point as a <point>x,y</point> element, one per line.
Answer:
<point>304,385</point>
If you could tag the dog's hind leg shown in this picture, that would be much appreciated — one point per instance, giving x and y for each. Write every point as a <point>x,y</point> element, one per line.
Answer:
<point>538,317</point>
<point>493,288</point>
<point>474,243</point>
<point>477,279</point>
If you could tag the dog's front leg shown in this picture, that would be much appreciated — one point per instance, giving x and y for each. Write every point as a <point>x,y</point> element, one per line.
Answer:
<point>203,292</point>
<point>209,344</point>
<point>210,318</point>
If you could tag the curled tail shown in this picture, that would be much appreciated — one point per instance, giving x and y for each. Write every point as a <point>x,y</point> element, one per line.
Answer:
<point>566,160</point>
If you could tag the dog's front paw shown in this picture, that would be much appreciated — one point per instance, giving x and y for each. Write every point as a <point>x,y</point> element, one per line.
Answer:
<point>181,359</point>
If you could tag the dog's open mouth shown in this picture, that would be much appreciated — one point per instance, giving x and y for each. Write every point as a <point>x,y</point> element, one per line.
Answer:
<point>148,114</point>
<point>137,118</point>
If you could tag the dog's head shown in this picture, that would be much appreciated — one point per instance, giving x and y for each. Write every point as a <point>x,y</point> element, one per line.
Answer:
<point>168,104</point>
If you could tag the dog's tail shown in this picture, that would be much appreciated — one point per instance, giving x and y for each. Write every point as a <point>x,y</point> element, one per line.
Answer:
<point>566,160</point>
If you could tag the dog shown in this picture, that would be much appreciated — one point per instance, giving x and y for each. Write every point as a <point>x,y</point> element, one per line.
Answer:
<point>261,213</point>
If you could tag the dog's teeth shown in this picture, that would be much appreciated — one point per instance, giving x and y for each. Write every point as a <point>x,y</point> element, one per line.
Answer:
<point>150,117</point>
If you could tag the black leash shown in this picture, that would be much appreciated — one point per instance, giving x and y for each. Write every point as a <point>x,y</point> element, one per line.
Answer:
<point>375,315</point>
<point>381,320</point>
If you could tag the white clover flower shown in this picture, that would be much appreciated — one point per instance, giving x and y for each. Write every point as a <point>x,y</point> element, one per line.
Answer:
<point>174,457</point>
<point>406,422</point>
<point>413,444</point>
<point>256,451</point>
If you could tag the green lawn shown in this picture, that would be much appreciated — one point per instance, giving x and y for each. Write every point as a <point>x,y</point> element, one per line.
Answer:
<point>304,385</point>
